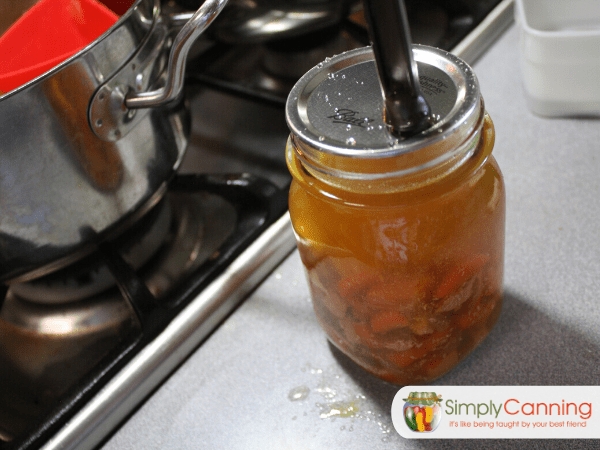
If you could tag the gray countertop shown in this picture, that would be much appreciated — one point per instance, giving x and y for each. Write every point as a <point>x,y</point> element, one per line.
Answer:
<point>268,379</point>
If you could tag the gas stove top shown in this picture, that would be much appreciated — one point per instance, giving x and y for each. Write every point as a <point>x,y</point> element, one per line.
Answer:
<point>64,336</point>
<point>268,70</point>
<point>80,348</point>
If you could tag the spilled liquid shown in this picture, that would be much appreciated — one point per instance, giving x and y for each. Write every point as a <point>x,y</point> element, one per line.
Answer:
<point>298,393</point>
<point>330,398</point>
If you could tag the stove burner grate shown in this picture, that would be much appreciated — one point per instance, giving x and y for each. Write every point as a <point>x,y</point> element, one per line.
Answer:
<point>237,208</point>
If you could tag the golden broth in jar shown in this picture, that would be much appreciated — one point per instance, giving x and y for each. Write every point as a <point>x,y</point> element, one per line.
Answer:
<point>402,243</point>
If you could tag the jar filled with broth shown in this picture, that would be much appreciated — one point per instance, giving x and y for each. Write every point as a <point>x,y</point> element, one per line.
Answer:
<point>402,239</point>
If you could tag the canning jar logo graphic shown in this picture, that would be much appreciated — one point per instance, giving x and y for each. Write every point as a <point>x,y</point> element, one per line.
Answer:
<point>422,411</point>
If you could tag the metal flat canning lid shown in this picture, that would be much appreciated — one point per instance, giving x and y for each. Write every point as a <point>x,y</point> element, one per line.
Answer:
<point>337,107</point>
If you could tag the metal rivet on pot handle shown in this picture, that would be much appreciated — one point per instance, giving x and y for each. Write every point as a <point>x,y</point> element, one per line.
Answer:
<point>177,59</point>
<point>115,107</point>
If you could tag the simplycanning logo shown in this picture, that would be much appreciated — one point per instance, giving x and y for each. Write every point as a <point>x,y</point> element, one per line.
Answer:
<point>422,411</point>
<point>489,412</point>
<point>534,412</point>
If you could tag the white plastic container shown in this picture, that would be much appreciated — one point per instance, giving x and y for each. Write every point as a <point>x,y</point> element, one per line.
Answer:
<point>560,55</point>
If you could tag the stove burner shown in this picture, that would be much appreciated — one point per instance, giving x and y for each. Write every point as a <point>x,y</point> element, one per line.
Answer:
<point>204,222</point>
<point>45,350</point>
<point>284,62</point>
<point>48,345</point>
<point>268,71</point>
<point>91,276</point>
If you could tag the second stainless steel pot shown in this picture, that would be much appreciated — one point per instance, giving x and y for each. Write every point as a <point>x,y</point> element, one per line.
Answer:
<point>258,21</point>
<point>89,146</point>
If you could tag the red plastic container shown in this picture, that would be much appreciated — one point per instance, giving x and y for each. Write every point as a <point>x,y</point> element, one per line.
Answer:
<point>47,34</point>
<point>120,7</point>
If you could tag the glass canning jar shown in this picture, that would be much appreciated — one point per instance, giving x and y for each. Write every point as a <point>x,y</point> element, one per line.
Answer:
<point>402,240</point>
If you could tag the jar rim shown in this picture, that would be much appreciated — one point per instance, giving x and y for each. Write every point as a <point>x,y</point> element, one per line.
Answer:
<point>326,148</point>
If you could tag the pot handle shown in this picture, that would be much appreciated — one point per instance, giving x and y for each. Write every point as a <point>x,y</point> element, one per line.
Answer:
<point>201,19</point>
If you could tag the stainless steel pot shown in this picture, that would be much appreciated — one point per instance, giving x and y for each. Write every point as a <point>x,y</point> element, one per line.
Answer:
<point>266,20</point>
<point>89,146</point>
